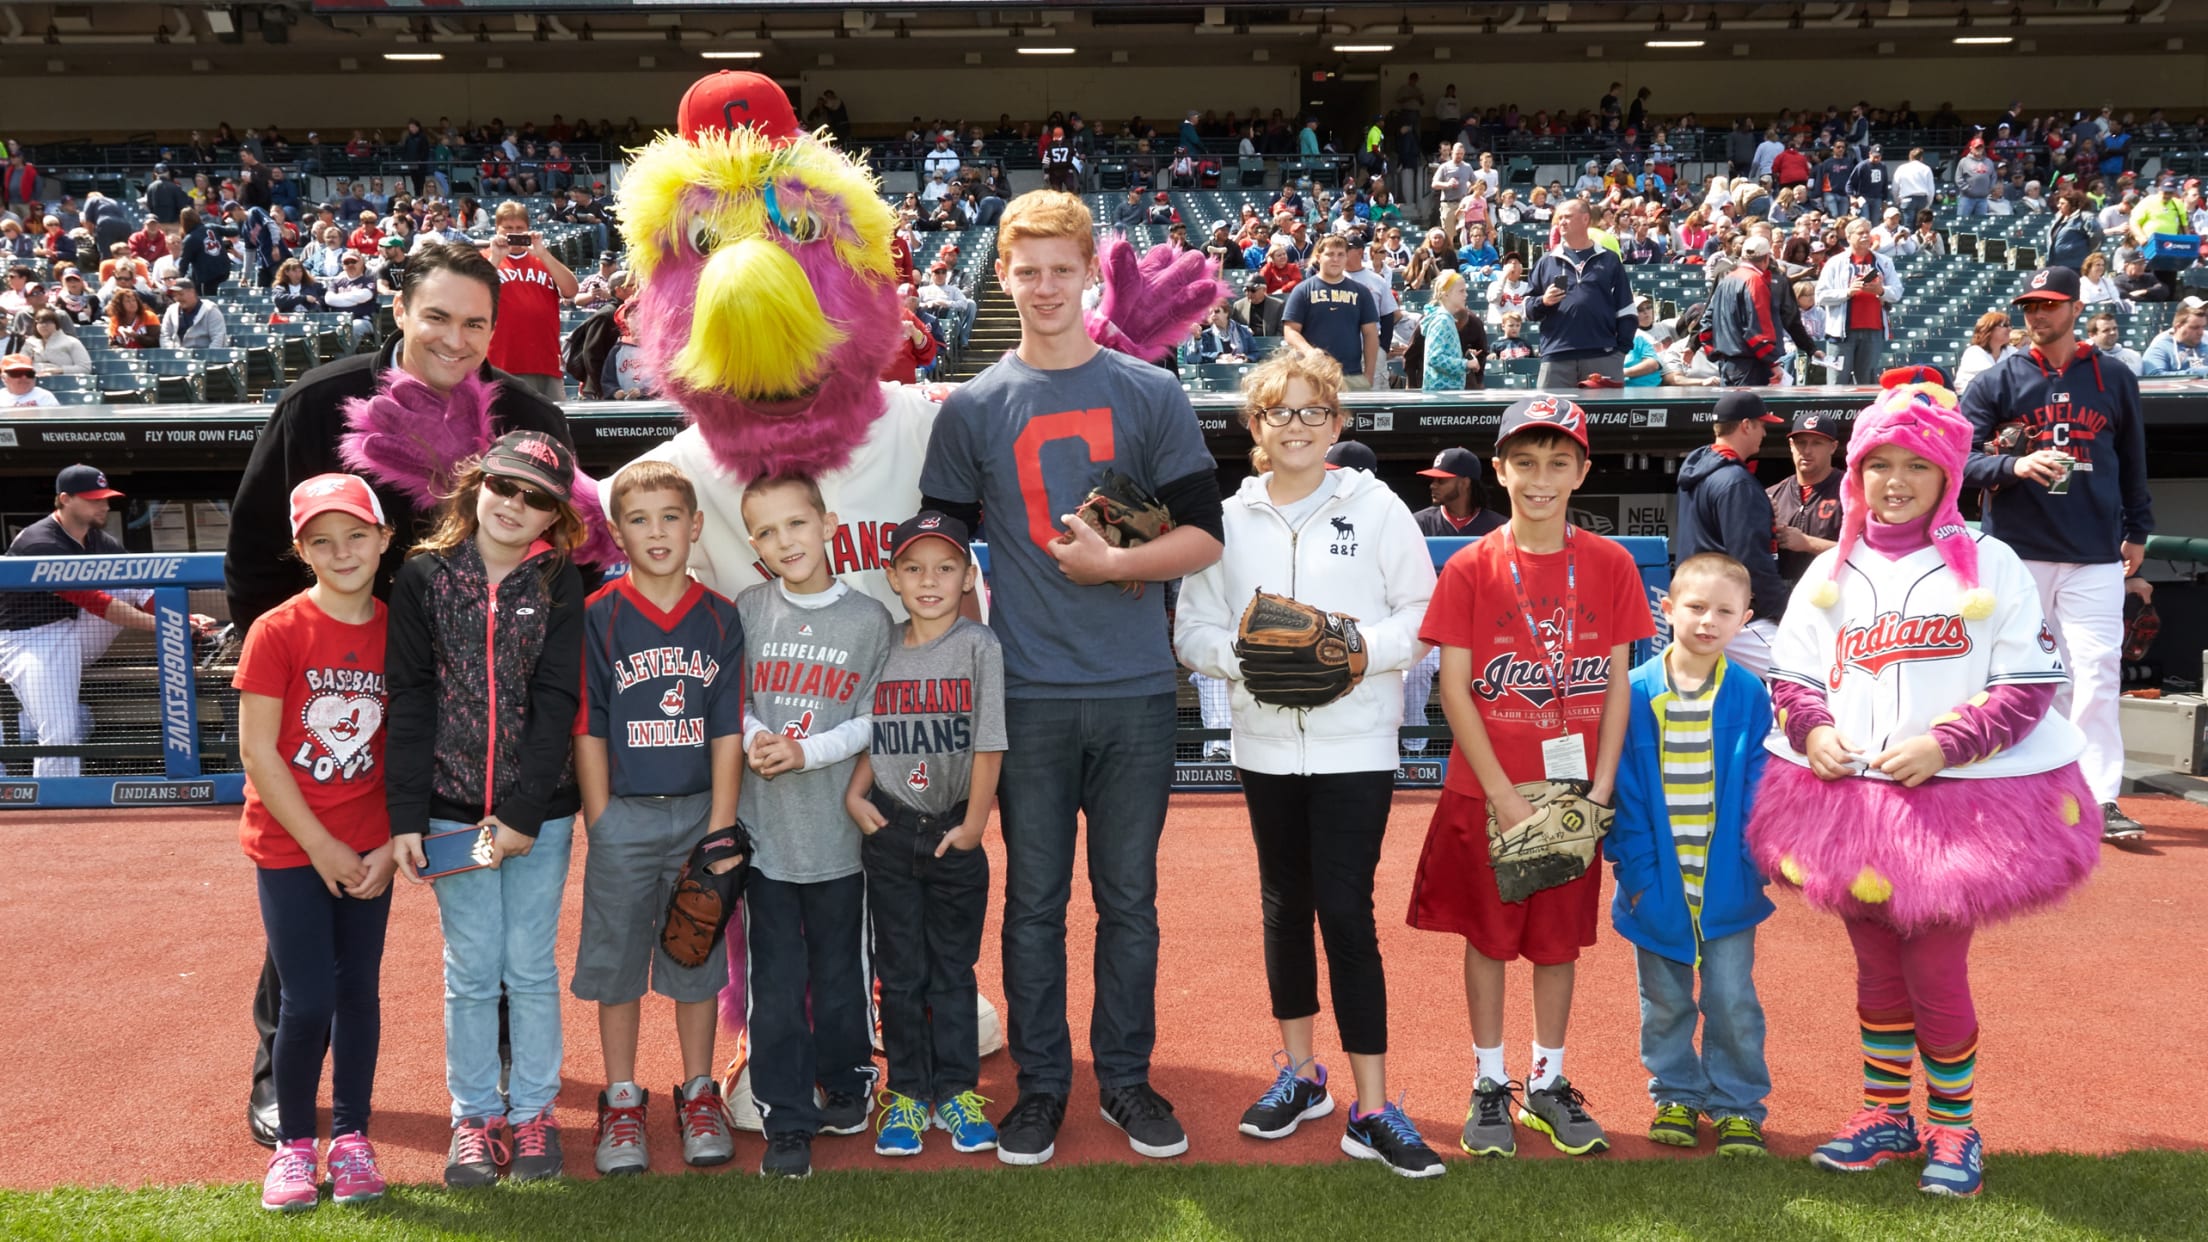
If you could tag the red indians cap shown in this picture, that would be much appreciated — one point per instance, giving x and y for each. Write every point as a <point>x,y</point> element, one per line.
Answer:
<point>732,98</point>
<point>334,493</point>
<point>1543,411</point>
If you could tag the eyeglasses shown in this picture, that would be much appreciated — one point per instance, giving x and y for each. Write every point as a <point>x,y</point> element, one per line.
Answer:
<point>505,488</point>
<point>1309,415</point>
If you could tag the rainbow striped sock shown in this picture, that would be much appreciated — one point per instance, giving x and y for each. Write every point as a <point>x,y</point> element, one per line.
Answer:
<point>1949,1084</point>
<point>1889,1050</point>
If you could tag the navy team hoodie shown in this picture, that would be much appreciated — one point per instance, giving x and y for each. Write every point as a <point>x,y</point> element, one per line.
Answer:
<point>2090,410</point>
<point>1723,509</point>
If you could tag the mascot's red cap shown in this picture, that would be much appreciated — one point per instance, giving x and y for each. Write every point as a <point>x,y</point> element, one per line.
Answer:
<point>730,99</point>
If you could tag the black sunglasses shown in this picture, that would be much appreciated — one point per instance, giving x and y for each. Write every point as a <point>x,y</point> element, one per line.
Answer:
<point>500,485</point>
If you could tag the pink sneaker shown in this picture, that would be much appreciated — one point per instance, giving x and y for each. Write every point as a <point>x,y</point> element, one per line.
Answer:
<point>290,1184</point>
<point>354,1177</point>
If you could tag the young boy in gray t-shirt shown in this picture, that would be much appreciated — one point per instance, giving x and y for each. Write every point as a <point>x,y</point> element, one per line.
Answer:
<point>922,799</point>
<point>812,650</point>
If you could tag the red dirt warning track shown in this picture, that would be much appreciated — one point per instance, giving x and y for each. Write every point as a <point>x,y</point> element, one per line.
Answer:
<point>130,945</point>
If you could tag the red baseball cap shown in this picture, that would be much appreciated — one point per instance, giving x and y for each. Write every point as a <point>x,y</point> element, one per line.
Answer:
<point>733,98</point>
<point>334,493</point>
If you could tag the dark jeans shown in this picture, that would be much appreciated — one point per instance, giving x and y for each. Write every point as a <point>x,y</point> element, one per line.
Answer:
<point>1109,761</point>
<point>927,914</point>
<point>330,952</point>
<point>806,947</point>
<point>1744,372</point>
<point>1318,844</point>
<point>1910,206</point>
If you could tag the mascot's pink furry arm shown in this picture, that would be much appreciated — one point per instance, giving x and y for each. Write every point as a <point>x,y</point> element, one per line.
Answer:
<point>768,308</point>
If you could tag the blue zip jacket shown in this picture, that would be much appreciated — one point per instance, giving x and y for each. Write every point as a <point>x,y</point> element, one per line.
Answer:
<point>1596,316</point>
<point>1650,906</point>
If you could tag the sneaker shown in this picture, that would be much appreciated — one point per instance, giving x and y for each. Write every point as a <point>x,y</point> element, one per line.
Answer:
<point>1875,1135</point>
<point>354,1177</point>
<point>701,1117</point>
<point>2117,827</point>
<point>789,1154</point>
<point>536,1149</point>
<point>1147,1119</point>
<point>961,1117</point>
<point>620,1137</point>
<point>904,1122</point>
<point>1389,1137</point>
<point>1217,752</point>
<point>1487,1128</point>
<point>1029,1133</point>
<point>1954,1162</point>
<point>1289,1102</point>
<point>1675,1125</point>
<point>479,1146</point>
<point>1560,1111</point>
<point>1740,1136</point>
<point>847,1112</point>
<point>290,1185</point>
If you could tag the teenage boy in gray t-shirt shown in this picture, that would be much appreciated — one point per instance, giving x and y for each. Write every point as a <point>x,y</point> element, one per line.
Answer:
<point>923,799</point>
<point>812,651</point>
<point>1089,671</point>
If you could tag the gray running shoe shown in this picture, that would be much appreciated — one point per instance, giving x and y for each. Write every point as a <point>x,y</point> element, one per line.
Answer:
<point>620,1151</point>
<point>1559,1111</point>
<point>708,1133</point>
<point>1487,1128</point>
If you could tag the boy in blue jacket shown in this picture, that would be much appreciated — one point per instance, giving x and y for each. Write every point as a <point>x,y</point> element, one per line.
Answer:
<point>1688,895</point>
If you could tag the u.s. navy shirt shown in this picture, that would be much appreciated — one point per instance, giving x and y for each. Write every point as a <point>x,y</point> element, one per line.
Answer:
<point>659,686</point>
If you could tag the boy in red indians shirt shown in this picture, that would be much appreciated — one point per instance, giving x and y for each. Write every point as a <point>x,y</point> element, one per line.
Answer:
<point>1534,604</point>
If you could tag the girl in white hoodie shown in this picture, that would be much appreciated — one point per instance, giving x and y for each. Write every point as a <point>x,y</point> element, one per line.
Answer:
<point>1319,782</point>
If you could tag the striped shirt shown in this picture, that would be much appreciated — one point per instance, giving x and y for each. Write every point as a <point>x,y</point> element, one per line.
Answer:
<point>1689,758</point>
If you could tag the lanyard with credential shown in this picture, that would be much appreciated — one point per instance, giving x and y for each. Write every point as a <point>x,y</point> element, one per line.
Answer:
<point>1560,658</point>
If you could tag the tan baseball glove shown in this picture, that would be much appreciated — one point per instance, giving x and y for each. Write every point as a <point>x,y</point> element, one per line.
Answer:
<point>1555,846</point>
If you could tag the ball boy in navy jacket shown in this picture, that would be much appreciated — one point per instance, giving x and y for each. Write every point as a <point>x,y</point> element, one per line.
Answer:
<point>1688,895</point>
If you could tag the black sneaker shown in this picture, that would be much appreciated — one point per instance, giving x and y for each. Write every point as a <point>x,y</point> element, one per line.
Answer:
<point>1389,1137</point>
<point>1147,1118</point>
<point>844,1113</point>
<point>788,1154</point>
<point>1029,1133</point>
<point>1289,1102</point>
<point>536,1149</point>
<point>479,1146</point>
<point>2118,828</point>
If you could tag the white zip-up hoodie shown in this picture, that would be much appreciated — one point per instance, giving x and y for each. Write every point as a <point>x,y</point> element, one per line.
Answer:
<point>1360,554</point>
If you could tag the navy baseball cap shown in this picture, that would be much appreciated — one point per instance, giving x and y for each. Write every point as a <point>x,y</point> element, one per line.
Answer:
<point>89,482</point>
<point>1543,411</point>
<point>1812,423</point>
<point>929,524</point>
<point>1739,404</point>
<point>1454,463</point>
<point>1351,455</point>
<point>2050,284</point>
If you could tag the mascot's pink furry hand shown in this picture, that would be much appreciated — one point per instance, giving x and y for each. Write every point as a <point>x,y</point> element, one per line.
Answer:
<point>1153,302</point>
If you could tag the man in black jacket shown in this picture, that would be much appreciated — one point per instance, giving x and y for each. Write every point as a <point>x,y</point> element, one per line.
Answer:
<point>444,314</point>
<point>1723,509</point>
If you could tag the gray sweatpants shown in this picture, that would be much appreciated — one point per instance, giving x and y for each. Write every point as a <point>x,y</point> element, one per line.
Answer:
<point>1558,374</point>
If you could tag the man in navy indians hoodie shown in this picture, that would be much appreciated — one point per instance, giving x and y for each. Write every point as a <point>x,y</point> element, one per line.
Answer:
<point>1722,508</point>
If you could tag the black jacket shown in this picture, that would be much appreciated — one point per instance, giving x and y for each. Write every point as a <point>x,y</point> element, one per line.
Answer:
<point>1723,509</point>
<point>484,686</point>
<point>299,442</point>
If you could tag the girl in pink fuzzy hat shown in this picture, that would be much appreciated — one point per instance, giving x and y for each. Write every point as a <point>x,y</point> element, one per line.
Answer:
<point>1926,790</point>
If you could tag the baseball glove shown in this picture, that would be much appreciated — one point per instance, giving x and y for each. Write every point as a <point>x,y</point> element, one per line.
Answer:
<point>699,907</point>
<point>1124,514</point>
<point>1293,655</point>
<point>2009,440</point>
<point>1555,846</point>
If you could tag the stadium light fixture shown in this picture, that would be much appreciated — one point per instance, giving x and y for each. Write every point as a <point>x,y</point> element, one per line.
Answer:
<point>1045,51</point>
<point>1364,47</point>
<point>732,55</point>
<point>1982,40</point>
<point>413,55</point>
<point>1673,43</point>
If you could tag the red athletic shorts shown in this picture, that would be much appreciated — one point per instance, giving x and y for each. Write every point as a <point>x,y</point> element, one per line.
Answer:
<point>1455,891</point>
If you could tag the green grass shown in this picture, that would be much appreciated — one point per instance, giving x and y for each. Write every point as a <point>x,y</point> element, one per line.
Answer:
<point>2149,1196</point>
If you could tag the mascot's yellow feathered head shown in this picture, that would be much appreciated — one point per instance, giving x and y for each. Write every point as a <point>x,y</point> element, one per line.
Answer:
<point>767,304</point>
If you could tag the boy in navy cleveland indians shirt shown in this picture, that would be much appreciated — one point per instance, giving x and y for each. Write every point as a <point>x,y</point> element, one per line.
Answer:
<point>659,758</point>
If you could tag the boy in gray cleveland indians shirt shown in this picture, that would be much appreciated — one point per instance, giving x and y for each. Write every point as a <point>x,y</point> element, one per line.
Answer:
<point>923,799</point>
<point>812,649</point>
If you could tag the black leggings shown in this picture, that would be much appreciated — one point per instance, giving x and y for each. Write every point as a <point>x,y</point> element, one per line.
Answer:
<point>1318,844</point>
<point>329,953</point>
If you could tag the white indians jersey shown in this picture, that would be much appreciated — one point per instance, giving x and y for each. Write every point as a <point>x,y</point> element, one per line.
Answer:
<point>878,488</point>
<point>1896,655</point>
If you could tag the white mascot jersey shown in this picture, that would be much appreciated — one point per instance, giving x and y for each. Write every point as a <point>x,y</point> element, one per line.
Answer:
<point>878,488</point>
<point>1896,657</point>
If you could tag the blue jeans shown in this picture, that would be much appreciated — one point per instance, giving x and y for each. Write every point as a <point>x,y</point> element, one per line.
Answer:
<point>1110,761</point>
<point>501,926</point>
<point>1728,1078</point>
<point>1967,206</point>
